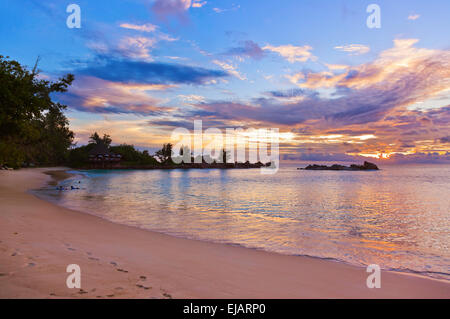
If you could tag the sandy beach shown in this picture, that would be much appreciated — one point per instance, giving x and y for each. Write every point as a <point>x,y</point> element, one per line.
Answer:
<point>39,239</point>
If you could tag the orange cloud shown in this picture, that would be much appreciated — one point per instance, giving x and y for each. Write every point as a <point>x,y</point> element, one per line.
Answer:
<point>293,53</point>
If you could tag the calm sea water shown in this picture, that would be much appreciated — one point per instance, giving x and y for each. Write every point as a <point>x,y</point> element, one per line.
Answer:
<point>398,217</point>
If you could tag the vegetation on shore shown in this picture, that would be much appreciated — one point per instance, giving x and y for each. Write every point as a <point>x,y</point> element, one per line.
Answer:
<point>33,128</point>
<point>78,157</point>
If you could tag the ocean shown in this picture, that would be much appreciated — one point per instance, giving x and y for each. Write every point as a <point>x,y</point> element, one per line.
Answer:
<point>398,217</point>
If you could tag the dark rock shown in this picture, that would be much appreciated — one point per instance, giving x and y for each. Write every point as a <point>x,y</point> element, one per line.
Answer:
<point>368,165</point>
<point>337,167</point>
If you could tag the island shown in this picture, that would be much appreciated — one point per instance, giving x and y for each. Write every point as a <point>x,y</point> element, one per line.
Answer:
<point>367,166</point>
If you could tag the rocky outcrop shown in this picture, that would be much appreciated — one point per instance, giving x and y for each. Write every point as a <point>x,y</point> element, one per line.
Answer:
<point>336,167</point>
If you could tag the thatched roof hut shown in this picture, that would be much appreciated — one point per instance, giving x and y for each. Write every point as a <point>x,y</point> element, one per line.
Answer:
<point>100,152</point>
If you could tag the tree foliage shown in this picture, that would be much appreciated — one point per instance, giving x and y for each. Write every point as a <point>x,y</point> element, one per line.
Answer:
<point>132,155</point>
<point>79,156</point>
<point>96,139</point>
<point>33,127</point>
<point>165,154</point>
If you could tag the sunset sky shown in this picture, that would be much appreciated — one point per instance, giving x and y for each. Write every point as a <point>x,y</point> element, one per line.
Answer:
<point>336,89</point>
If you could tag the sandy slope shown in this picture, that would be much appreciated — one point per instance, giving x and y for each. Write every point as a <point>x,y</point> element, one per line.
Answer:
<point>38,240</point>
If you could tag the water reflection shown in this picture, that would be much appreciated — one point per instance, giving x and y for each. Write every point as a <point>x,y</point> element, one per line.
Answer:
<point>397,217</point>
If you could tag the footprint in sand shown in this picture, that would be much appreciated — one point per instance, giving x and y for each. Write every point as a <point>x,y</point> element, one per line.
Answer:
<point>122,270</point>
<point>143,287</point>
<point>167,295</point>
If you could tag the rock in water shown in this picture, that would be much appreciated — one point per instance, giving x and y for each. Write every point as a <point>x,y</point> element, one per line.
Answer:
<point>368,165</point>
<point>337,167</point>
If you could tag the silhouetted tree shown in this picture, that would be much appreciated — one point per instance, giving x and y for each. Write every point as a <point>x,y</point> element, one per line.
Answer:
<point>226,156</point>
<point>165,154</point>
<point>32,126</point>
<point>96,139</point>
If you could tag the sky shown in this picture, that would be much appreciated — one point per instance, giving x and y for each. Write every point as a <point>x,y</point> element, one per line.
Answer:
<point>336,89</point>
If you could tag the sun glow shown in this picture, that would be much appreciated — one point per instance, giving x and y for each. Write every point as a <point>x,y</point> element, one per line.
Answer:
<point>376,155</point>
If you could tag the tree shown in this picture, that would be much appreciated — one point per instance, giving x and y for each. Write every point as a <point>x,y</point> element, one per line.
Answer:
<point>184,156</point>
<point>32,126</point>
<point>226,156</point>
<point>55,138</point>
<point>165,154</point>
<point>131,155</point>
<point>96,139</point>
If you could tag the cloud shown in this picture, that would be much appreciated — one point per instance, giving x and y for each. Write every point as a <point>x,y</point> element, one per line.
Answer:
<point>295,78</point>
<point>445,139</point>
<point>231,69</point>
<point>165,8</point>
<point>198,3</point>
<point>247,49</point>
<point>233,8</point>
<point>293,53</point>
<point>354,49</point>
<point>335,67</point>
<point>413,17</point>
<point>316,156</point>
<point>129,129</point>
<point>148,27</point>
<point>288,93</point>
<point>363,94</point>
<point>136,47</point>
<point>191,98</point>
<point>142,72</point>
<point>91,94</point>
<point>131,46</point>
<point>393,67</point>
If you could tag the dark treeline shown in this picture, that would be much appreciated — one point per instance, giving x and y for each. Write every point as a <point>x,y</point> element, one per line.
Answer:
<point>79,156</point>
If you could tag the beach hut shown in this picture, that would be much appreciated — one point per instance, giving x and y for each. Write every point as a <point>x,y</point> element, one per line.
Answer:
<point>100,156</point>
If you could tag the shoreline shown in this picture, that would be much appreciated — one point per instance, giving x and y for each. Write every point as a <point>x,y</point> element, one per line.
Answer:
<point>39,239</point>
